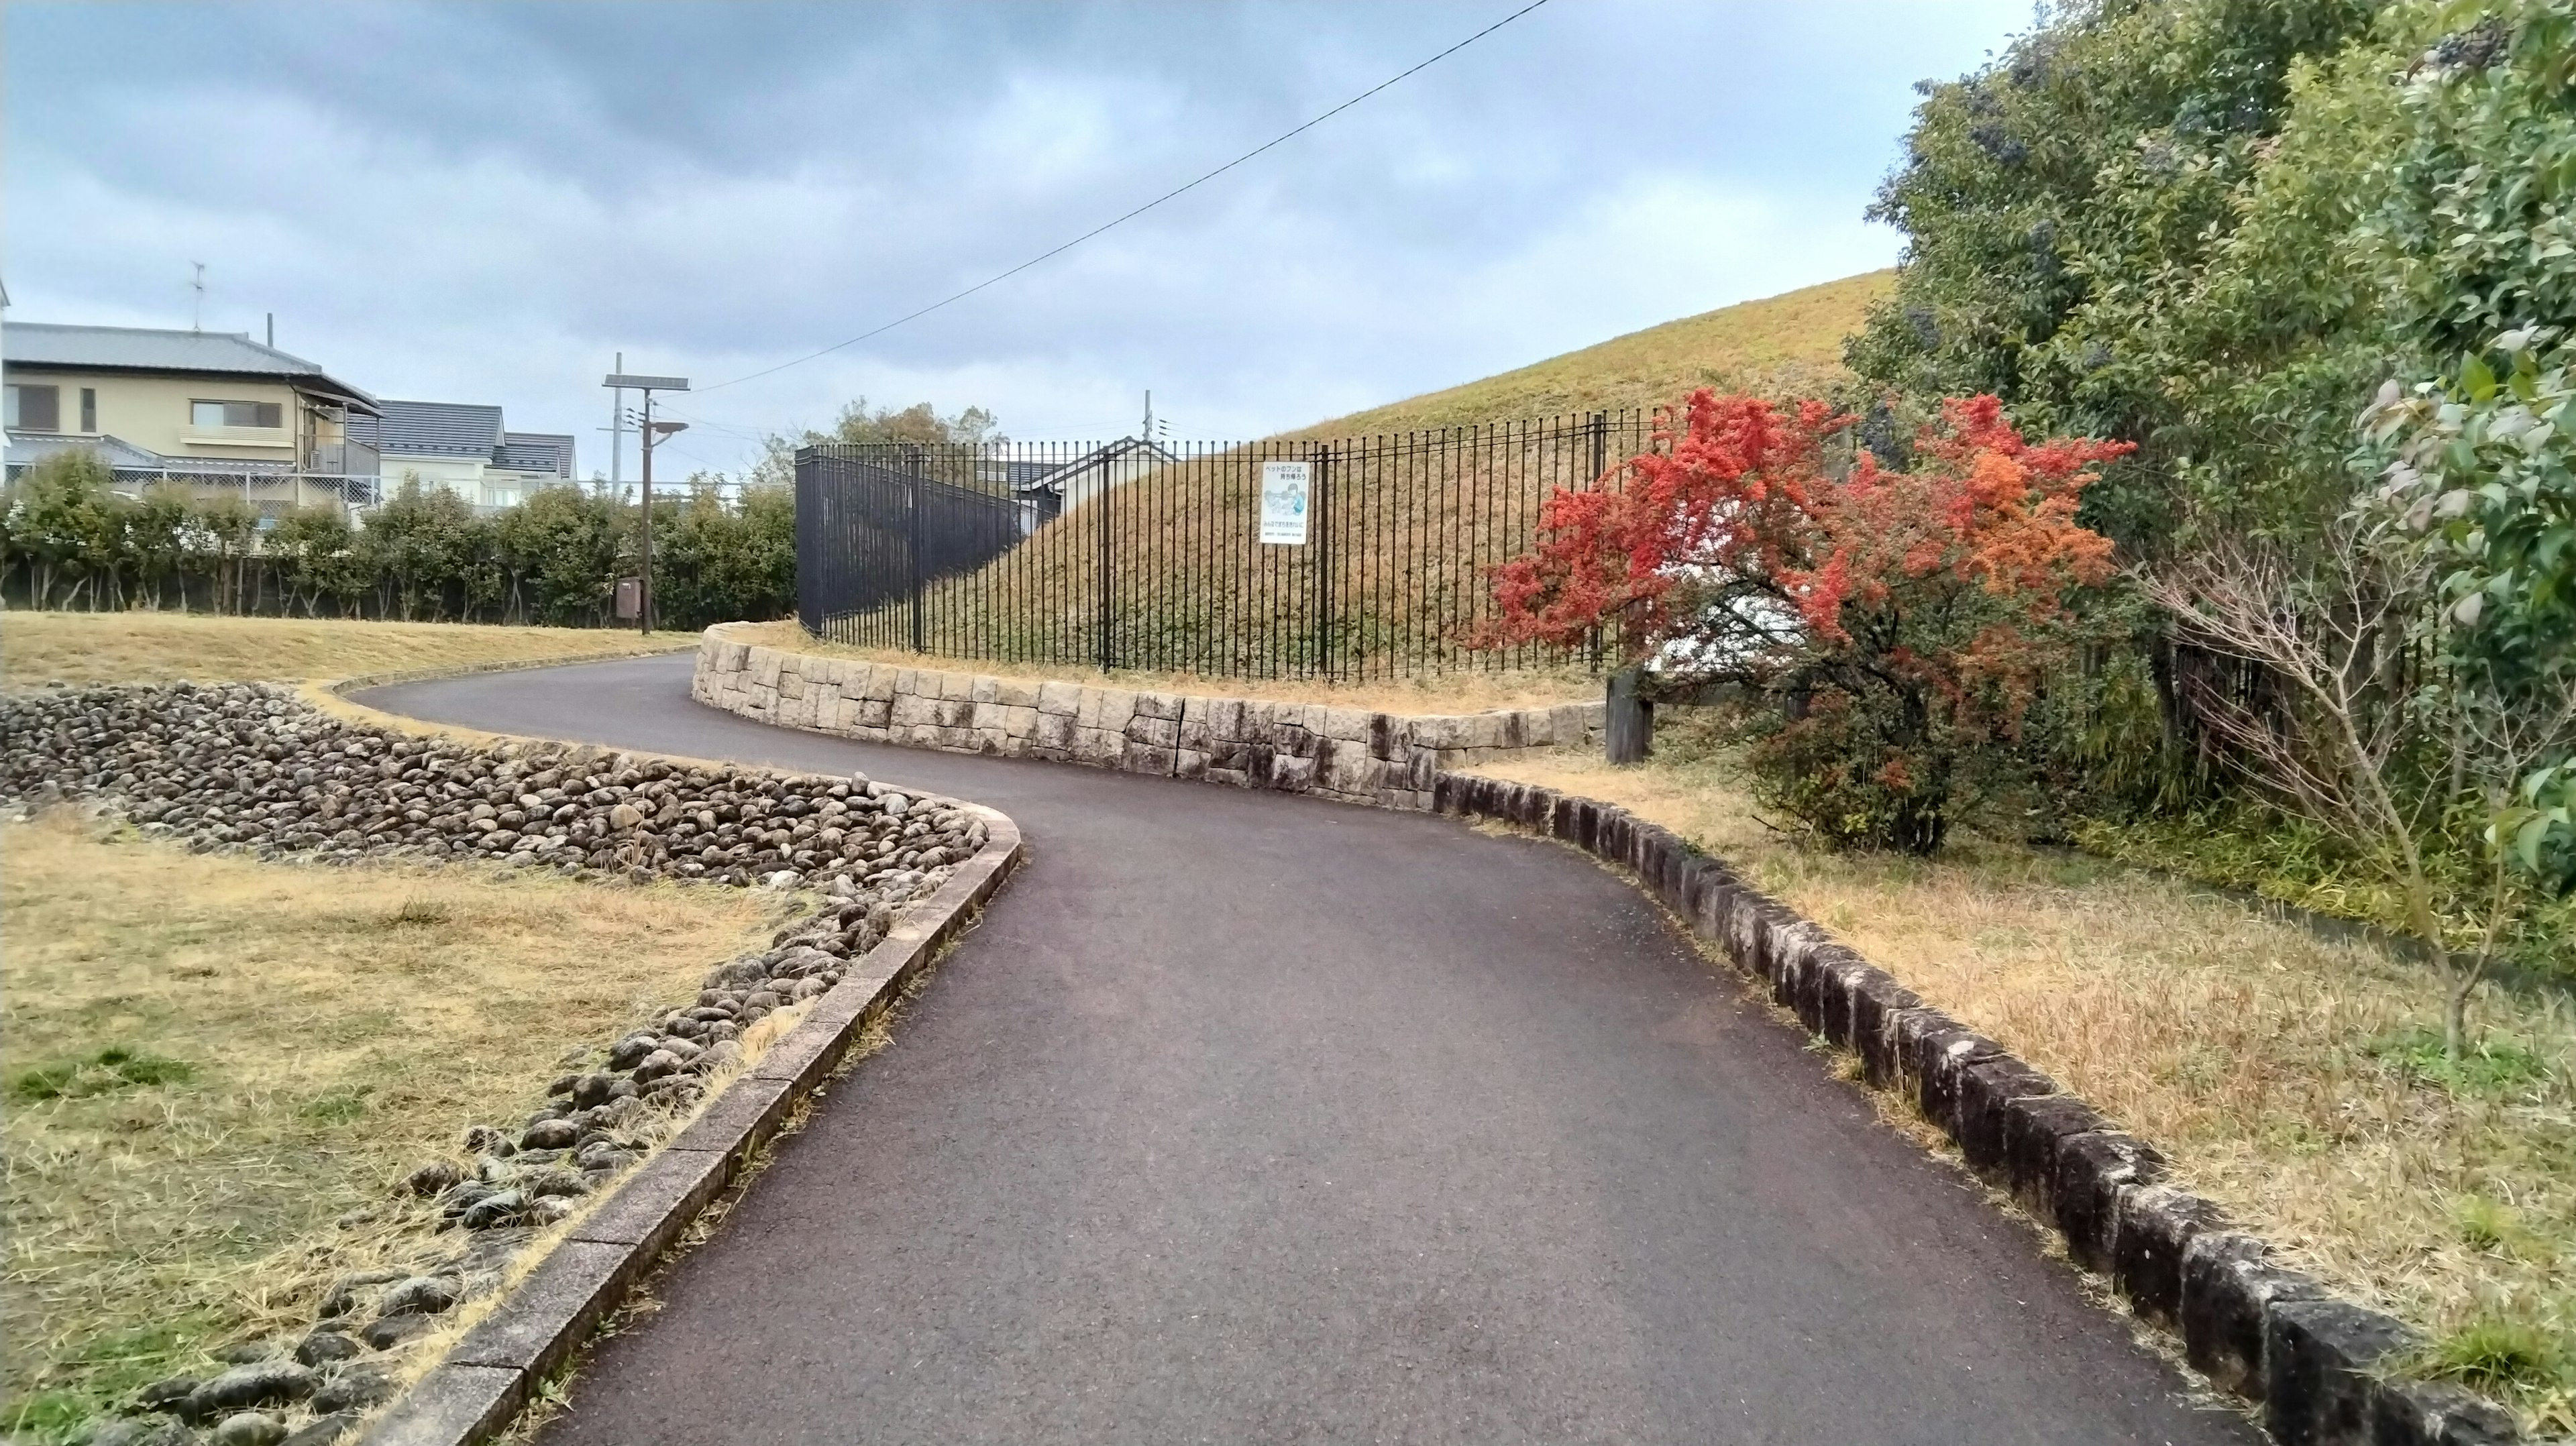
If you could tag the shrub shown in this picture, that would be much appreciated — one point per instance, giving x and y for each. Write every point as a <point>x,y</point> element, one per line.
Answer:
<point>1881,634</point>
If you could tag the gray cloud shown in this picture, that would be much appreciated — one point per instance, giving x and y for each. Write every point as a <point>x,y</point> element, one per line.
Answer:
<point>482,203</point>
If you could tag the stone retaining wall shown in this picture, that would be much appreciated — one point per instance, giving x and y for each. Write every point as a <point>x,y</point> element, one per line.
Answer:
<point>1348,754</point>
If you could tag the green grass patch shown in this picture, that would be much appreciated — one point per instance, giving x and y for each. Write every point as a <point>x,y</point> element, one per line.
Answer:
<point>2496,1352</point>
<point>105,1072</point>
<point>2491,1066</point>
<point>2294,863</point>
<point>339,1106</point>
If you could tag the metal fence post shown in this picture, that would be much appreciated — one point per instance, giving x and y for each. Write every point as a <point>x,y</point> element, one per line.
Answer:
<point>912,551</point>
<point>1108,564</point>
<point>1324,562</point>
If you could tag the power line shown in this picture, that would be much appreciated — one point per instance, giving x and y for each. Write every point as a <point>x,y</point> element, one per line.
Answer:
<point>1139,211</point>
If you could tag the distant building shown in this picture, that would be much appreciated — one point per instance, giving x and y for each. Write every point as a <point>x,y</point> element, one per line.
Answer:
<point>1049,491</point>
<point>463,448</point>
<point>207,408</point>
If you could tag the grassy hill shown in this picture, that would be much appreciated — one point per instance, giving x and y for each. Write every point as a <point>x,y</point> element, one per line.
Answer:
<point>1787,343</point>
<point>1398,580</point>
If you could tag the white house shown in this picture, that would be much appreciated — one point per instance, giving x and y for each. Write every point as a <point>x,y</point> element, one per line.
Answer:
<point>463,448</point>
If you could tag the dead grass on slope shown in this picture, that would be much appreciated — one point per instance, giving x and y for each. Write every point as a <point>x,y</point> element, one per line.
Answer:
<point>37,648</point>
<point>213,1060</point>
<point>2297,1081</point>
<point>1428,693</point>
<point>1779,345</point>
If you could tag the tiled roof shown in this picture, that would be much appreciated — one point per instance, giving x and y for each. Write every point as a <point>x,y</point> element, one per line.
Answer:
<point>134,348</point>
<point>536,452</point>
<point>431,429</point>
<point>27,447</point>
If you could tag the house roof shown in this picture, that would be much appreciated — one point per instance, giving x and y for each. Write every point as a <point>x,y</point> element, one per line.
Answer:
<point>536,452</point>
<point>28,447</point>
<point>144,349</point>
<point>1053,478</point>
<point>431,429</point>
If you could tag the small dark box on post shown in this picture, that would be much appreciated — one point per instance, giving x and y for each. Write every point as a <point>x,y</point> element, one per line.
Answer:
<point>630,599</point>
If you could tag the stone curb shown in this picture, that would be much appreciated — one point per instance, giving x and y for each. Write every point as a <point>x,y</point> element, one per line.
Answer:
<point>2271,1335</point>
<point>487,1377</point>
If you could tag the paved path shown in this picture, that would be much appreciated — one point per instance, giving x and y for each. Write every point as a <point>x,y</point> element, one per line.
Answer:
<point>1245,1118</point>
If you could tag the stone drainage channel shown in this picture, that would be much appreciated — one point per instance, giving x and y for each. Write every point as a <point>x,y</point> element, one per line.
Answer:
<point>253,769</point>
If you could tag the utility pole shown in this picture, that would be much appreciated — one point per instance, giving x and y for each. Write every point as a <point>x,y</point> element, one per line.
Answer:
<point>617,437</point>
<point>1147,435</point>
<point>197,308</point>
<point>650,433</point>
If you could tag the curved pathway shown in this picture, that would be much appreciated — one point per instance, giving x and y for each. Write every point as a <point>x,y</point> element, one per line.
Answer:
<point>1248,1118</point>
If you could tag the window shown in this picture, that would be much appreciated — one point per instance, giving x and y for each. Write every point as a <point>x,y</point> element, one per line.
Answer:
<point>89,409</point>
<point>36,409</point>
<point>236,414</point>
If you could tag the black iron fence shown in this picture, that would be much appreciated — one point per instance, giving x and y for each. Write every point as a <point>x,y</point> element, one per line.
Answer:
<point>1352,558</point>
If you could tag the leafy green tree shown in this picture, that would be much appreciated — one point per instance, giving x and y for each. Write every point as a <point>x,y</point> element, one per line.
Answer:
<point>217,534</point>
<point>316,550</point>
<point>858,425</point>
<point>2483,470</point>
<point>417,545</point>
<point>2064,202</point>
<point>2477,227</point>
<point>559,551</point>
<point>62,524</point>
<point>715,562</point>
<point>153,528</point>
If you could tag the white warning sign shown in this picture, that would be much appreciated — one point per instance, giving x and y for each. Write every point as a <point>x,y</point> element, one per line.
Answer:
<point>1285,488</point>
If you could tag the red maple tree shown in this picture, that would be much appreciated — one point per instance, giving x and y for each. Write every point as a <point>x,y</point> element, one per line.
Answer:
<point>1880,627</point>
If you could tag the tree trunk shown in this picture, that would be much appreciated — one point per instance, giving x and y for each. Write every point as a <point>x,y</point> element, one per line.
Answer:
<point>2455,1014</point>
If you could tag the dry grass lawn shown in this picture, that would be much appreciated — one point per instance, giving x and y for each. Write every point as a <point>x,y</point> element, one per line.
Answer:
<point>213,1060</point>
<point>37,648</point>
<point>1429,693</point>
<point>2297,1081</point>
<point>1791,343</point>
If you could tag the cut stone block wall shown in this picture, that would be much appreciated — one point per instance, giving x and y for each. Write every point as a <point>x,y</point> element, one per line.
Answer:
<point>1348,754</point>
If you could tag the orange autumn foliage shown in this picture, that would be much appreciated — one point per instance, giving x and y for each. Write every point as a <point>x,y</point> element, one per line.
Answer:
<point>1917,610</point>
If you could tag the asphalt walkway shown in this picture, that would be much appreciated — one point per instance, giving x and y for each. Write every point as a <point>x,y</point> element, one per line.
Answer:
<point>1249,1118</point>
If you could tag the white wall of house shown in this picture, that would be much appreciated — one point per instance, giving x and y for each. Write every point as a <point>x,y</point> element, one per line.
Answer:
<point>472,478</point>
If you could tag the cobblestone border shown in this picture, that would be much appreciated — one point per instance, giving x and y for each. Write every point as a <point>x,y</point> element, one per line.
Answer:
<point>2315,1365</point>
<point>486,1378</point>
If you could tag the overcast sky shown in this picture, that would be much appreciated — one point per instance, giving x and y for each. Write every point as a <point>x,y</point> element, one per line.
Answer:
<point>481,203</point>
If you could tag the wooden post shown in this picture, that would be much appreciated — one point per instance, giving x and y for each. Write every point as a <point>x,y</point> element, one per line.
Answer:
<point>1628,728</point>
